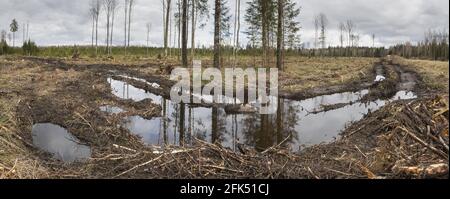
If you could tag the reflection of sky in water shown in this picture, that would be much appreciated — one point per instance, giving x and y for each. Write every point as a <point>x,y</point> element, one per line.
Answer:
<point>325,126</point>
<point>252,129</point>
<point>148,130</point>
<point>126,91</point>
<point>404,95</point>
<point>111,109</point>
<point>57,141</point>
<point>154,85</point>
<point>165,130</point>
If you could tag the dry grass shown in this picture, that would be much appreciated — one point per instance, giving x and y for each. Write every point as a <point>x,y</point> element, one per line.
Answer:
<point>16,160</point>
<point>303,73</point>
<point>435,74</point>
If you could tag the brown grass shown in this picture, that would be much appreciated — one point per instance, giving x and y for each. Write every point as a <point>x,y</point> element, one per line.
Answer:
<point>300,72</point>
<point>304,73</point>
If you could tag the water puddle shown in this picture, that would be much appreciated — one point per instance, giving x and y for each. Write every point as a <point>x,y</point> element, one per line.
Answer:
<point>154,85</point>
<point>124,90</point>
<point>404,95</point>
<point>296,123</point>
<point>111,109</point>
<point>59,142</point>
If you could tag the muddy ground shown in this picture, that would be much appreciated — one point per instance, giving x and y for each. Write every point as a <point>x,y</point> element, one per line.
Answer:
<point>411,141</point>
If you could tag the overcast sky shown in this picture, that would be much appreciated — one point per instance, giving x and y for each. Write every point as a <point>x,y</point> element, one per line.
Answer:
<point>67,22</point>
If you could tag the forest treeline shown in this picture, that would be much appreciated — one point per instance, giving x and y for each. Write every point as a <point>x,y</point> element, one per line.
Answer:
<point>434,47</point>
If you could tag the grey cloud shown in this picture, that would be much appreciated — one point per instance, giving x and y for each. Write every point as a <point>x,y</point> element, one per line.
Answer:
<point>67,22</point>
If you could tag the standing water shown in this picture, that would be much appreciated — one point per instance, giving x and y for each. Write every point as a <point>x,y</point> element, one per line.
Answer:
<point>57,141</point>
<point>297,123</point>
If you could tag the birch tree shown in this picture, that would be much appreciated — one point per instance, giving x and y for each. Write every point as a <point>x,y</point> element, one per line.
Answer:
<point>341,33</point>
<point>323,21</point>
<point>130,9</point>
<point>316,31</point>
<point>349,26</point>
<point>127,2</point>
<point>95,12</point>
<point>107,7</point>
<point>113,8</point>
<point>149,27</point>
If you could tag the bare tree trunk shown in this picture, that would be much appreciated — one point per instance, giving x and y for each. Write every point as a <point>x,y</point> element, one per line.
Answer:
<point>179,29</point>
<point>107,30</point>
<point>125,28</point>
<point>184,35</point>
<point>235,32</point>
<point>149,26</point>
<point>129,21</point>
<point>341,33</point>
<point>217,34</point>
<point>349,28</point>
<point>265,32</point>
<point>238,27</point>
<point>323,23</point>
<point>23,32</point>
<point>174,31</point>
<point>164,22</point>
<point>316,31</point>
<point>280,36</point>
<point>28,30</point>
<point>96,35</point>
<point>193,18</point>
<point>93,31</point>
<point>166,27</point>
<point>112,29</point>
<point>170,34</point>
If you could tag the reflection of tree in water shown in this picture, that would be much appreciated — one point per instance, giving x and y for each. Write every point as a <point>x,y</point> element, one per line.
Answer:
<point>263,131</point>
<point>182,121</point>
<point>174,114</point>
<point>185,124</point>
<point>218,125</point>
<point>250,125</point>
<point>164,120</point>
<point>290,120</point>
<point>199,128</point>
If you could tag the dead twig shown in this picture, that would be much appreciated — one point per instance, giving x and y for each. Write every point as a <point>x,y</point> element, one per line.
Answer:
<point>438,152</point>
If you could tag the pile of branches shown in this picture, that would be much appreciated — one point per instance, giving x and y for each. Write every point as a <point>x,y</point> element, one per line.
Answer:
<point>419,141</point>
<point>204,160</point>
<point>406,140</point>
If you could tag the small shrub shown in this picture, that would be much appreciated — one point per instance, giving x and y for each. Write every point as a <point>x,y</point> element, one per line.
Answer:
<point>29,48</point>
<point>4,48</point>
